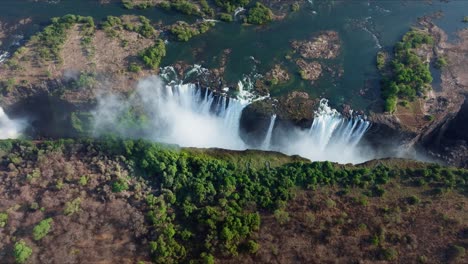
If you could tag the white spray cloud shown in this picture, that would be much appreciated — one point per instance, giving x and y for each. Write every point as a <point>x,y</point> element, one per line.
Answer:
<point>192,117</point>
<point>177,114</point>
<point>10,128</point>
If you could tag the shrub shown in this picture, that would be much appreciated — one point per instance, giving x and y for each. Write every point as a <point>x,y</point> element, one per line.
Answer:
<point>252,246</point>
<point>230,5</point>
<point>429,117</point>
<point>165,5</point>
<point>153,55</point>
<point>22,252</point>
<point>295,7</point>
<point>119,185</point>
<point>330,203</point>
<point>42,229</point>
<point>83,180</point>
<point>389,254</point>
<point>72,207</point>
<point>134,68</point>
<point>206,8</point>
<point>404,103</point>
<point>390,104</point>
<point>380,60</point>
<point>185,7</point>
<point>440,63</point>
<point>413,199</point>
<point>127,4</point>
<point>281,216</point>
<point>456,252</point>
<point>86,80</point>
<point>226,17</point>
<point>259,15</point>
<point>3,219</point>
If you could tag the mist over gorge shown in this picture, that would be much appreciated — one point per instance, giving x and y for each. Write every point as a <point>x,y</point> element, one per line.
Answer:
<point>10,128</point>
<point>190,116</point>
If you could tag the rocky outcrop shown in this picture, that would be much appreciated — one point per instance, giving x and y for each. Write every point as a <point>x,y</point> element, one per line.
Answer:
<point>309,70</point>
<point>277,75</point>
<point>324,46</point>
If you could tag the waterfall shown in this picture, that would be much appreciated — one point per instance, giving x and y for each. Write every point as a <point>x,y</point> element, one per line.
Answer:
<point>182,114</point>
<point>190,116</point>
<point>329,127</point>
<point>266,145</point>
<point>9,128</point>
<point>330,137</point>
<point>238,10</point>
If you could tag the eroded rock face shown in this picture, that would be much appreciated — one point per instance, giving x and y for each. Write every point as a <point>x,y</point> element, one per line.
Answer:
<point>324,46</point>
<point>449,141</point>
<point>309,70</point>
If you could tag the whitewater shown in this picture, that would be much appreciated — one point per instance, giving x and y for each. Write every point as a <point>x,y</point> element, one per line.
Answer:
<point>9,129</point>
<point>190,116</point>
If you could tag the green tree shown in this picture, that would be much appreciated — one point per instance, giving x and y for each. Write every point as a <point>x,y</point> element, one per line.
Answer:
<point>22,252</point>
<point>153,55</point>
<point>42,229</point>
<point>259,15</point>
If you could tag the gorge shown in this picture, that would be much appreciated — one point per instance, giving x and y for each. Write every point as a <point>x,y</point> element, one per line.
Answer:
<point>190,116</point>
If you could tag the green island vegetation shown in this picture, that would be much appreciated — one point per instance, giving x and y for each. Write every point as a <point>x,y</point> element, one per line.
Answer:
<point>50,40</point>
<point>409,75</point>
<point>295,7</point>
<point>259,15</point>
<point>231,5</point>
<point>184,31</point>
<point>465,19</point>
<point>42,229</point>
<point>207,10</point>
<point>226,17</point>
<point>185,7</point>
<point>153,55</point>
<point>113,24</point>
<point>381,57</point>
<point>204,205</point>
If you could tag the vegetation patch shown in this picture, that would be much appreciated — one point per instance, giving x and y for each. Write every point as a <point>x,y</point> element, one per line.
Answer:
<point>153,55</point>
<point>42,229</point>
<point>22,252</point>
<point>231,5</point>
<point>409,75</point>
<point>259,15</point>
<point>3,219</point>
<point>184,31</point>
<point>218,204</point>
<point>49,41</point>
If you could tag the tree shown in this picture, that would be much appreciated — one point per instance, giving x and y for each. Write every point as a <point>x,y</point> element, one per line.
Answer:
<point>259,15</point>
<point>22,252</point>
<point>153,55</point>
<point>42,229</point>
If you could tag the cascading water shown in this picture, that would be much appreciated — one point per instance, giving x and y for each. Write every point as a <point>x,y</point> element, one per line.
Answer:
<point>182,114</point>
<point>329,127</point>
<point>189,116</point>
<point>266,145</point>
<point>330,137</point>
